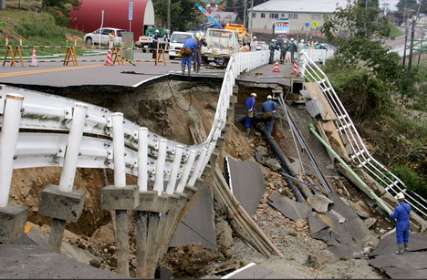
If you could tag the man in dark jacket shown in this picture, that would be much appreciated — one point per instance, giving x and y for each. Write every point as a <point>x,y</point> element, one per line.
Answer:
<point>401,216</point>
<point>292,48</point>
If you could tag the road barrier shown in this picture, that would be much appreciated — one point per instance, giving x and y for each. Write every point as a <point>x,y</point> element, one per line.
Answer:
<point>358,152</point>
<point>168,165</point>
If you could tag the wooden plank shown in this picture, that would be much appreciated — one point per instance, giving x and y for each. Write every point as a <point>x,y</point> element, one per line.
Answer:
<point>316,93</point>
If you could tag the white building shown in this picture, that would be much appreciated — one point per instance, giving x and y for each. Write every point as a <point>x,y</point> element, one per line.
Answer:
<point>291,16</point>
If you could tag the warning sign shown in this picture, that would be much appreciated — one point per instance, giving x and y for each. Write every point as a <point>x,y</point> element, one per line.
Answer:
<point>281,26</point>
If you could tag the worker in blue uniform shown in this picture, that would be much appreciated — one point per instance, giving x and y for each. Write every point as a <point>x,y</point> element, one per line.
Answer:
<point>250,103</point>
<point>189,47</point>
<point>269,108</point>
<point>401,215</point>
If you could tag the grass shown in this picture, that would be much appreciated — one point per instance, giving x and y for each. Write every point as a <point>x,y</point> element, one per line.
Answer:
<point>35,29</point>
<point>395,31</point>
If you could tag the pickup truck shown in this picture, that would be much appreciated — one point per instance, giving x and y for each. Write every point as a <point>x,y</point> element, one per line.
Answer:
<point>221,44</point>
<point>144,42</point>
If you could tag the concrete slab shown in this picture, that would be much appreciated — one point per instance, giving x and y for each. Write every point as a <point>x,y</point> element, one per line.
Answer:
<point>288,207</point>
<point>265,76</point>
<point>254,272</point>
<point>35,262</point>
<point>387,245</point>
<point>247,183</point>
<point>407,266</point>
<point>12,220</point>
<point>198,225</point>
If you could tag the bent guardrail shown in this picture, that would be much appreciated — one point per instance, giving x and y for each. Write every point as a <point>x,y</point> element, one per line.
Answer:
<point>45,122</point>
<point>358,153</point>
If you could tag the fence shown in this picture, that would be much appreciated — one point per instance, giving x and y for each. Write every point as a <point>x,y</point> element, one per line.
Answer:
<point>41,130</point>
<point>359,154</point>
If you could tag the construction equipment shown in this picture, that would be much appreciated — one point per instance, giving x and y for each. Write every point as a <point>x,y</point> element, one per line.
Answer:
<point>212,21</point>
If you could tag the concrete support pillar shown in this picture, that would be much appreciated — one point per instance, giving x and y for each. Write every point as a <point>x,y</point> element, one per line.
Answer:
<point>62,203</point>
<point>120,198</point>
<point>12,217</point>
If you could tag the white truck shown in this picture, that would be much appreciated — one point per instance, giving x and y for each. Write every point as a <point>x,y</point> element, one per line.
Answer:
<point>176,42</point>
<point>221,44</point>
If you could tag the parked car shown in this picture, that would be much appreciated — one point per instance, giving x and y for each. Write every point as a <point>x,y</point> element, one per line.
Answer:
<point>101,36</point>
<point>176,42</point>
<point>259,45</point>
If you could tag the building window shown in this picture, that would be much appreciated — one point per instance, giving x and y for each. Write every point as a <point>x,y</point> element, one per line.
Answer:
<point>262,15</point>
<point>273,15</point>
<point>293,15</point>
<point>253,15</point>
<point>282,15</point>
<point>316,16</point>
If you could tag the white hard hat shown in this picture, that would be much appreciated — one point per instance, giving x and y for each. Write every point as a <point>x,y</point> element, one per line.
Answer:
<point>157,30</point>
<point>269,97</point>
<point>302,40</point>
<point>400,196</point>
<point>292,39</point>
<point>253,94</point>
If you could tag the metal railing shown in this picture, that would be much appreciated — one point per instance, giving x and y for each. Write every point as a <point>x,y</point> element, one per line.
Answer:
<point>358,152</point>
<point>41,130</point>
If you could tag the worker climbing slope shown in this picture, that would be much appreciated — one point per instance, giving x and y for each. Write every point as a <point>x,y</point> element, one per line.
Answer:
<point>269,107</point>
<point>401,216</point>
<point>189,47</point>
<point>250,103</point>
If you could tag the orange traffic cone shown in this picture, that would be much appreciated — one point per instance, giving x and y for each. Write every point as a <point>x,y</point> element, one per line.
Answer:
<point>276,68</point>
<point>109,59</point>
<point>34,62</point>
<point>295,69</point>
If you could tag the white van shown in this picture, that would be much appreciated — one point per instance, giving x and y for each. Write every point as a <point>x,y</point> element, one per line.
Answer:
<point>177,41</point>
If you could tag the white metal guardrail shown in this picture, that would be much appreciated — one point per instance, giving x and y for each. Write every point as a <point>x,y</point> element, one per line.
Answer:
<point>359,154</point>
<point>57,131</point>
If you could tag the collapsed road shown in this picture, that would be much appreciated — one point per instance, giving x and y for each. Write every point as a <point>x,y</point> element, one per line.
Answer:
<point>199,230</point>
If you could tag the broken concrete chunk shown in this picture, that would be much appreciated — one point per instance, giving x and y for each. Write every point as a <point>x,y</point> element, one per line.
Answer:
<point>361,209</point>
<point>339,217</point>
<point>370,222</point>
<point>273,164</point>
<point>288,207</point>
<point>320,203</point>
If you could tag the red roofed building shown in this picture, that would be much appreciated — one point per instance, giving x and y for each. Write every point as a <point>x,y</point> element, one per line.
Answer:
<point>87,16</point>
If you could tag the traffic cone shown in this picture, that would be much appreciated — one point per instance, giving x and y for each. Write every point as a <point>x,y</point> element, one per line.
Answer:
<point>34,62</point>
<point>276,68</point>
<point>109,59</point>
<point>295,69</point>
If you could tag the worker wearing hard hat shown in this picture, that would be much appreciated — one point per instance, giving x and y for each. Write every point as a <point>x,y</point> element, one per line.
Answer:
<point>401,215</point>
<point>250,103</point>
<point>197,54</point>
<point>269,108</point>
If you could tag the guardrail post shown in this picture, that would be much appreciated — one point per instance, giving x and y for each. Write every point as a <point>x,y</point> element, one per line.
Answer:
<point>120,198</point>
<point>62,203</point>
<point>12,217</point>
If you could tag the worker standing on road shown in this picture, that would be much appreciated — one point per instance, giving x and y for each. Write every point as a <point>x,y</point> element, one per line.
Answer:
<point>273,48</point>
<point>189,47</point>
<point>292,48</point>
<point>283,50</point>
<point>250,107</point>
<point>401,216</point>
<point>197,55</point>
<point>269,109</point>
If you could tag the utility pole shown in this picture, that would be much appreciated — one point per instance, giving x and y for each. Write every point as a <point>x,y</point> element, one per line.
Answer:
<point>414,22</point>
<point>2,4</point>
<point>245,12</point>
<point>169,15</point>
<point>251,18</point>
<point>405,19</point>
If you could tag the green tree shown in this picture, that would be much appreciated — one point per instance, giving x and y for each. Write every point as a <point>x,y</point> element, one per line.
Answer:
<point>229,5</point>
<point>358,31</point>
<point>183,14</point>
